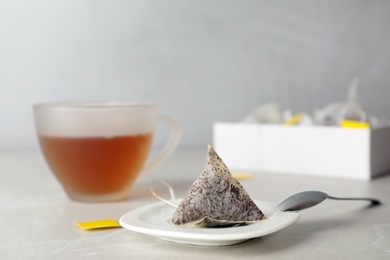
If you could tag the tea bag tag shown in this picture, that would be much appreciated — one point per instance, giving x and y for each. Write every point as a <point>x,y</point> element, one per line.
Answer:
<point>354,124</point>
<point>95,224</point>
<point>294,120</point>
<point>243,176</point>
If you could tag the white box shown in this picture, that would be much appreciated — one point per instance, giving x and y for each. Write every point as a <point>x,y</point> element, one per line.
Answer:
<point>304,150</point>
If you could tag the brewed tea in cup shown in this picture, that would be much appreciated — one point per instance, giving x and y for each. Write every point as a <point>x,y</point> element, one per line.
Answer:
<point>97,150</point>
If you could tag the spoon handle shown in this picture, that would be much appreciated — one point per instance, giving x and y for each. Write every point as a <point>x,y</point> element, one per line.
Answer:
<point>373,201</point>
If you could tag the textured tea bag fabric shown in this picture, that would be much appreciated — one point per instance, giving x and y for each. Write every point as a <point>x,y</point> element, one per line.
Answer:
<point>216,199</point>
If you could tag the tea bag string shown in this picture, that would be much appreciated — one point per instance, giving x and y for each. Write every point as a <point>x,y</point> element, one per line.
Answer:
<point>171,193</point>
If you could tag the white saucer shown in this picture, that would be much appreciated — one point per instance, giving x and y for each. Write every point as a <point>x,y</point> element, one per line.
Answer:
<point>154,219</point>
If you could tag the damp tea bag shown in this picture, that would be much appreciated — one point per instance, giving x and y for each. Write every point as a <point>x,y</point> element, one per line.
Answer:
<point>216,199</point>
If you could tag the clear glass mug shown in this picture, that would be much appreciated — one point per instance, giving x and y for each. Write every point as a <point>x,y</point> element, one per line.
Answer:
<point>97,150</point>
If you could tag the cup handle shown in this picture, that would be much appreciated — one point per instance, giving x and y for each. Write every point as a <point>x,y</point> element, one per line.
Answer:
<point>168,148</point>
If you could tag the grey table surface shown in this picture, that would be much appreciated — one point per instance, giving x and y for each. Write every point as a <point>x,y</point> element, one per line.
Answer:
<point>37,219</point>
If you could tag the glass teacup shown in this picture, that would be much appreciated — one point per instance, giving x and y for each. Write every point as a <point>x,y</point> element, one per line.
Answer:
<point>97,150</point>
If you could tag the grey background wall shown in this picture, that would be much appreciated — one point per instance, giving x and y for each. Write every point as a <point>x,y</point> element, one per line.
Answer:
<point>201,61</point>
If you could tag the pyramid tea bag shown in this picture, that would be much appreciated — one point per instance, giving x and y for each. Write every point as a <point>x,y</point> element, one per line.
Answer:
<point>216,199</point>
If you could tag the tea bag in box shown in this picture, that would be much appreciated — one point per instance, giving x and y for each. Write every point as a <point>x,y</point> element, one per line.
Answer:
<point>353,109</point>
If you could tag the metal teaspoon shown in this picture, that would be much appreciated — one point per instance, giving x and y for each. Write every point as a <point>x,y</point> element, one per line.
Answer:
<point>306,199</point>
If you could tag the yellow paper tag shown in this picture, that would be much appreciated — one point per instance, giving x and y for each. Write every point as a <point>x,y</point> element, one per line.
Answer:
<point>354,124</point>
<point>293,120</point>
<point>102,223</point>
<point>243,176</point>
